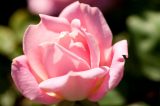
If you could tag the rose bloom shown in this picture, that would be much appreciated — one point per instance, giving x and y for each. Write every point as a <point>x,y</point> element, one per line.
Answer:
<point>69,57</point>
<point>53,7</point>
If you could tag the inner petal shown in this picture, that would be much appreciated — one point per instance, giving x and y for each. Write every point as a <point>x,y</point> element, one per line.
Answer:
<point>58,61</point>
<point>88,40</point>
<point>75,43</point>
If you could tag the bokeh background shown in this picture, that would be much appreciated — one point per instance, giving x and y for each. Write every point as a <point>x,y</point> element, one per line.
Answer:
<point>138,21</point>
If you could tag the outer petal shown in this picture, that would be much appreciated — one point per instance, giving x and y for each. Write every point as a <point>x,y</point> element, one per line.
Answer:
<point>37,34</point>
<point>93,21</point>
<point>115,71</point>
<point>74,85</point>
<point>118,61</point>
<point>27,84</point>
<point>98,93</point>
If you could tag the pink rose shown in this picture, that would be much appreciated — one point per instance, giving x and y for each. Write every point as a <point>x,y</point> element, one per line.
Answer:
<point>53,7</point>
<point>69,57</point>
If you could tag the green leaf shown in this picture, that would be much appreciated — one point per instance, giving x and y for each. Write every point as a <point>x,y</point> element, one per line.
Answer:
<point>113,98</point>
<point>145,33</point>
<point>66,103</point>
<point>78,103</point>
<point>26,102</point>
<point>88,103</point>
<point>120,36</point>
<point>7,41</point>
<point>8,98</point>
<point>152,72</point>
<point>138,104</point>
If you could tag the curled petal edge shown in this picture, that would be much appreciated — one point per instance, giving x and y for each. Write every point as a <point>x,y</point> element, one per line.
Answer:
<point>27,84</point>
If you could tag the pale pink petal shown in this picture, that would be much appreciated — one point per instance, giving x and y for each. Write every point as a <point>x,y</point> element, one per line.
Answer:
<point>101,92</point>
<point>102,89</point>
<point>26,82</point>
<point>118,61</point>
<point>74,85</point>
<point>36,34</point>
<point>59,61</point>
<point>94,50</point>
<point>108,56</point>
<point>94,22</point>
<point>55,24</point>
<point>115,72</point>
<point>89,42</point>
<point>75,43</point>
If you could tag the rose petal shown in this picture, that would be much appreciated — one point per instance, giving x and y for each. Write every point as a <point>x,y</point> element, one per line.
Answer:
<point>91,43</point>
<point>118,61</point>
<point>93,21</point>
<point>27,84</point>
<point>34,36</point>
<point>75,43</point>
<point>115,73</point>
<point>74,85</point>
<point>59,61</point>
<point>98,93</point>
<point>94,50</point>
<point>55,24</point>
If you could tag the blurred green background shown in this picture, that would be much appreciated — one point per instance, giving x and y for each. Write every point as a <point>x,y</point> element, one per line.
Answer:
<point>138,21</point>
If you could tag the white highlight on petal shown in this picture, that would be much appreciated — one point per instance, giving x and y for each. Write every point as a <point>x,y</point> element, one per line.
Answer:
<point>76,23</point>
